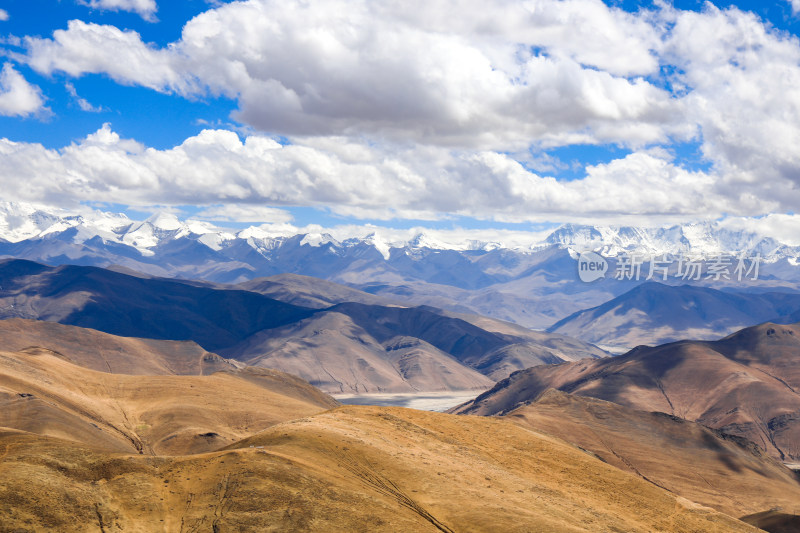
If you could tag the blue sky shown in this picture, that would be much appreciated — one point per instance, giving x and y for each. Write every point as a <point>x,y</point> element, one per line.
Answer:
<point>129,109</point>
<point>575,110</point>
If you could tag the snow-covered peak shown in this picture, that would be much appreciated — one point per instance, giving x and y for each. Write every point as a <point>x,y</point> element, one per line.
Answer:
<point>318,239</point>
<point>706,239</point>
<point>575,236</point>
<point>162,227</point>
<point>771,238</point>
<point>21,221</point>
<point>164,221</point>
<point>379,243</point>
<point>215,241</point>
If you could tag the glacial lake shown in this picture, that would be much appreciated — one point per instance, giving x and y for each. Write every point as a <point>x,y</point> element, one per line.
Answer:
<point>425,401</point>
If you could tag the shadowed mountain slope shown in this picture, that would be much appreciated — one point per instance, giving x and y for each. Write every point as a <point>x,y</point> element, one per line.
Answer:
<point>334,353</point>
<point>517,348</point>
<point>439,351</point>
<point>137,307</point>
<point>774,521</point>
<point>307,291</point>
<point>353,347</point>
<point>653,313</point>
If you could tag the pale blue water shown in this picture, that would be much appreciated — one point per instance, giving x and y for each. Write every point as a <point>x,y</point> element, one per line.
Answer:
<point>421,401</point>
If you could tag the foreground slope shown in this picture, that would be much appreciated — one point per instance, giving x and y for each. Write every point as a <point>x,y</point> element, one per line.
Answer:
<point>747,384</point>
<point>43,393</point>
<point>351,469</point>
<point>725,472</point>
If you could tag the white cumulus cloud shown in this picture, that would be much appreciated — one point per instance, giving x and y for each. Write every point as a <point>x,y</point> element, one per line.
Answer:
<point>92,48</point>
<point>426,108</point>
<point>17,96</point>
<point>216,168</point>
<point>445,74</point>
<point>745,97</point>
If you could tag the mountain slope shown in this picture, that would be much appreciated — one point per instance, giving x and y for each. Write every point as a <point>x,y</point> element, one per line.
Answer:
<point>529,279</point>
<point>354,347</point>
<point>746,384</point>
<point>351,469</point>
<point>137,307</point>
<point>40,392</point>
<point>307,291</point>
<point>109,353</point>
<point>448,352</point>
<point>531,347</point>
<point>714,469</point>
<point>337,355</point>
<point>653,313</point>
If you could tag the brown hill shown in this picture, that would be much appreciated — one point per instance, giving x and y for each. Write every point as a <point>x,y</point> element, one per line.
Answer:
<point>746,384</point>
<point>43,393</point>
<point>249,325</point>
<point>337,355</point>
<point>525,347</point>
<point>727,473</point>
<point>109,353</point>
<point>351,469</point>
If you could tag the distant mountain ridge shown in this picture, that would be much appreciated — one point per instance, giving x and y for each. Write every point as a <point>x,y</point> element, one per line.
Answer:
<point>337,345</point>
<point>653,313</point>
<point>24,222</point>
<point>530,279</point>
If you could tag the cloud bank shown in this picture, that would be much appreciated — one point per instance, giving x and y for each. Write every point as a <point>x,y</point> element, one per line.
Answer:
<point>428,109</point>
<point>363,181</point>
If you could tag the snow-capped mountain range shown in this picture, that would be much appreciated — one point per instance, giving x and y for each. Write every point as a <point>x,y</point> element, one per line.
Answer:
<point>25,222</point>
<point>525,277</point>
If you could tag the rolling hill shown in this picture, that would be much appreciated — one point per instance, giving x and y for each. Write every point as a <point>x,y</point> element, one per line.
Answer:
<point>41,392</point>
<point>350,469</point>
<point>252,449</point>
<point>745,384</point>
<point>110,353</point>
<point>715,469</point>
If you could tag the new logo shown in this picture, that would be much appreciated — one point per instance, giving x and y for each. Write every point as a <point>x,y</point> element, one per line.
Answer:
<point>591,267</point>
